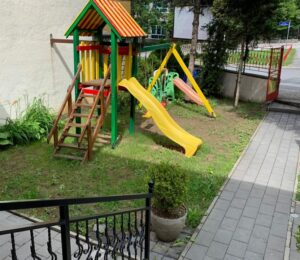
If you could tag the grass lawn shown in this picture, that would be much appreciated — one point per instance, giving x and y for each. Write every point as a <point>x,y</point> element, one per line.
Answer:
<point>30,172</point>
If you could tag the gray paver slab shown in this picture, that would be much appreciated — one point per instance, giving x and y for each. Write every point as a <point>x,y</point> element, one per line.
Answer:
<point>237,248</point>
<point>250,212</point>
<point>246,223</point>
<point>261,232</point>
<point>234,213</point>
<point>252,255</point>
<point>223,236</point>
<point>204,238</point>
<point>217,250</point>
<point>229,224</point>
<point>242,235</point>
<point>264,220</point>
<point>257,245</point>
<point>197,252</point>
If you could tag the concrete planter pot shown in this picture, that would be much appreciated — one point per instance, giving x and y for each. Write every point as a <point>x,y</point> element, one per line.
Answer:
<point>166,229</point>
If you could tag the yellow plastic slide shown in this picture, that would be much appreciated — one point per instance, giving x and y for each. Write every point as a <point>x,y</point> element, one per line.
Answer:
<point>162,118</point>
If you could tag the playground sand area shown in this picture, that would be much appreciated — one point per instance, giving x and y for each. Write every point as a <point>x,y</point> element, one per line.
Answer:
<point>31,172</point>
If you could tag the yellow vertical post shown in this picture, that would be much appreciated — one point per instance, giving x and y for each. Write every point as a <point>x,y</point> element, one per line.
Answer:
<point>82,61</point>
<point>87,64</point>
<point>93,61</point>
<point>97,53</point>
<point>192,81</point>
<point>120,59</point>
<point>105,63</point>
<point>128,63</point>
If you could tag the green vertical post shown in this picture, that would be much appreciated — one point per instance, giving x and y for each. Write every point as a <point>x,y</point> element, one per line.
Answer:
<point>114,91</point>
<point>134,74</point>
<point>100,38</point>
<point>76,62</point>
<point>76,59</point>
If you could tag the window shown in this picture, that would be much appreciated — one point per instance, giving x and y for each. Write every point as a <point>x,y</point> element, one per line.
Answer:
<point>157,31</point>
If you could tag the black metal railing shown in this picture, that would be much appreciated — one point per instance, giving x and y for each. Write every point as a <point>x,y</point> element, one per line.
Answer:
<point>118,235</point>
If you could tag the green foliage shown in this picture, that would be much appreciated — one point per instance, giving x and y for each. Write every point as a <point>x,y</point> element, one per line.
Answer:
<point>234,23</point>
<point>147,65</point>
<point>5,139</point>
<point>35,124</point>
<point>288,10</point>
<point>297,236</point>
<point>147,16</point>
<point>170,188</point>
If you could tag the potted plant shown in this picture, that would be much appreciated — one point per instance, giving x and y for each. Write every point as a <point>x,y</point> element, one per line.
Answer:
<point>168,210</point>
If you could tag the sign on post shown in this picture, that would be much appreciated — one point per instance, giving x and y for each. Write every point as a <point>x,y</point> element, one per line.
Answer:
<point>284,23</point>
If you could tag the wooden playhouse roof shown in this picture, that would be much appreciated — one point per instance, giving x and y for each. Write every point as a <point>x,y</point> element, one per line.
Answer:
<point>98,13</point>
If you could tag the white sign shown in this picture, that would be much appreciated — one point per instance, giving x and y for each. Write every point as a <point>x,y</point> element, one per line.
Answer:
<point>183,23</point>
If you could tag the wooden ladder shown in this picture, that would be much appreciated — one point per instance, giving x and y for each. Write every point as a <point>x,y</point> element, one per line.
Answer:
<point>85,119</point>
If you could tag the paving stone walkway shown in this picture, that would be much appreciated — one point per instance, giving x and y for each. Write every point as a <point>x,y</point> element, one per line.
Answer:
<point>251,217</point>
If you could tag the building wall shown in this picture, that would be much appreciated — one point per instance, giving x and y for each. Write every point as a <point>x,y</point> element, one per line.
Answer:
<point>29,66</point>
<point>183,20</point>
<point>253,88</point>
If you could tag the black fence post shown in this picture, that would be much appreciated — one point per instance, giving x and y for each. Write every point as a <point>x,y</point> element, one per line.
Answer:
<point>65,232</point>
<point>148,221</point>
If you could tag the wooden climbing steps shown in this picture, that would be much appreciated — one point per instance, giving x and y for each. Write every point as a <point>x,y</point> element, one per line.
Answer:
<point>84,120</point>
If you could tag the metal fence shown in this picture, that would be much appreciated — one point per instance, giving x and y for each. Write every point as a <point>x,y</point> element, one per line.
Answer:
<point>259,60</point>
<point>119,235</point>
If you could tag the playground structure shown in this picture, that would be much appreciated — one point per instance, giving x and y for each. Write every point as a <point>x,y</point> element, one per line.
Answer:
<point>102,69</point>
<point>163,89</point>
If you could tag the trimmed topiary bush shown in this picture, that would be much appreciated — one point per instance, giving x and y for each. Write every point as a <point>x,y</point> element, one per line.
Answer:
<point>170,190</point>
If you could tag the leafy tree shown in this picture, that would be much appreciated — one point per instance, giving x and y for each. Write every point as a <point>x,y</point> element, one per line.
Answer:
<point>247,21</point>
<point>215,53</point>
<point>288,10</point>
<point>147,15</point>
<point>235,23</point>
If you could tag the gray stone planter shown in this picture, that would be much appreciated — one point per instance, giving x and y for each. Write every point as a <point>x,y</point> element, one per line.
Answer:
<point>167,230</point>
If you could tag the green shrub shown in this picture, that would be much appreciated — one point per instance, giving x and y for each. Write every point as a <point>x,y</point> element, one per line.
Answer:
<point>34,125</point>
<point>5,139</point>
<point>40,114</point>
<point>170,188</point>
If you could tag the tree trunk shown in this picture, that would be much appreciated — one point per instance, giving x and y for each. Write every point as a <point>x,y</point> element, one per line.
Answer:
<point>239,76</point>
<point>196,23</point>
<point>194,41</point>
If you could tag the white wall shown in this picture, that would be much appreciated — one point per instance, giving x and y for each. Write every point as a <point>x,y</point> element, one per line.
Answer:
<point>29,66</point>
<point>253,88</point>
<point>183,20</point>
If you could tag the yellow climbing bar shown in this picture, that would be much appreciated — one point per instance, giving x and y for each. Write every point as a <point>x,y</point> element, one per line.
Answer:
<point>160,69</point>
<point>188,74</point>
<point>193,82</point>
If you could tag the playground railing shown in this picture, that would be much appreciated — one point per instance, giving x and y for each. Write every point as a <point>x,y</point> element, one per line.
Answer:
<point>124,234</point>
<point>99,97</point>
<point>67,102</point>
<point>258,59</point>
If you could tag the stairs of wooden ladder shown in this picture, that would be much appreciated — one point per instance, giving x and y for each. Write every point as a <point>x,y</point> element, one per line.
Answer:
<point>85,119</point>
<point>81,127</point>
